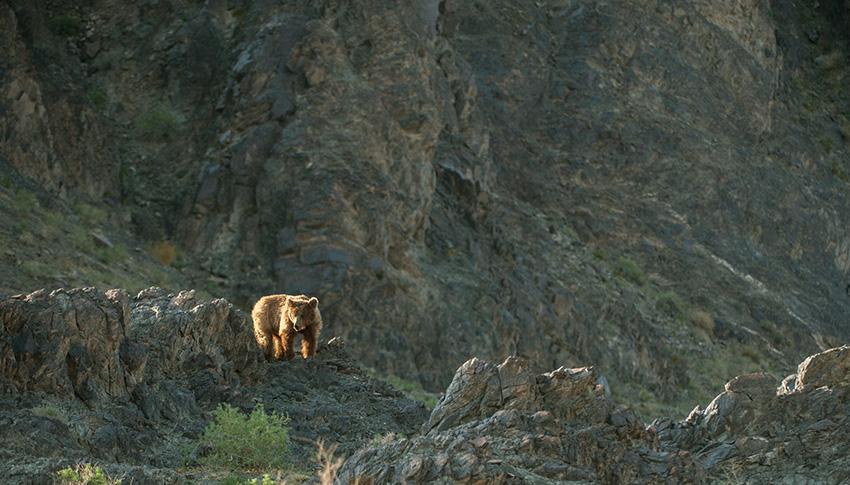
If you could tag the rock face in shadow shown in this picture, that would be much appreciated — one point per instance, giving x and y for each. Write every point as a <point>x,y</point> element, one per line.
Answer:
<point>504,424</point>
<point>129,382</point>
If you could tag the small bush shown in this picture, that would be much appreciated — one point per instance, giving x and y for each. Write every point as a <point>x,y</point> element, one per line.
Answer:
<point>82,239</point>
<point>51,412</point>
<point>86,474</point>
<point>671,304</point>
<point>702,319</point>
<point>751,353</point>
<point>161,122</point>
<point>839,171</point>
<point>97,96</point>
<point>113,254</point>
<point>66,25</point>
<point>257,441</point>
<point>629,269</point>
<point>844,128</point>
<point>774,334</point>
<point>37,269</point>
<point>90,214</point>
<point>413,390</point>
<point>25,200</point>
<point>164,251</point>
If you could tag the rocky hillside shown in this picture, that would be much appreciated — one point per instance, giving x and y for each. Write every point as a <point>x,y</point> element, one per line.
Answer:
<point>657,187</point>
<point>128,383</point>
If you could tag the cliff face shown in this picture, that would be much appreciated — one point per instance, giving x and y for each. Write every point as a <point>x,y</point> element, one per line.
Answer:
<point>654,187</point>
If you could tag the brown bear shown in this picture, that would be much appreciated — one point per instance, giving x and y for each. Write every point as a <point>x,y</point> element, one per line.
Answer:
<point>278,318</point>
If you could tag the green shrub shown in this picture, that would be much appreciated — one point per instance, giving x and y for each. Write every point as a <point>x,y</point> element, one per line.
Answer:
<point>25,201</point>
<point>113,254</point>
<point>161,122</point>
<point>37,269</point>
<point>413,390</point>
<point>839,171</point>
<point>629,269</point>
<point>97,96</point>
<point>751,353</point>
<point>51,412</point>
<point>86,474</point>
<point>66,25</point>
<point>90,214</point>
<point>266,480</point>
<point>256,441</point>
<point>772,331</point>
<point>671,304</point>
<point>702,319</point>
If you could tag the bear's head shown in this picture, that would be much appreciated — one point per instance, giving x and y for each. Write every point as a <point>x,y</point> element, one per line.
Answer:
<point>303,312</point>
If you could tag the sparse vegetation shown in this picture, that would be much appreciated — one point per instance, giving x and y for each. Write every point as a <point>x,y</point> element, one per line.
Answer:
<point>751,353</point>
<point>113,254</point>
<point>36,268</point>
<point>413,390</point>
<point>162,122</point>
<point>164,251</point>
<point>97,96</point>
<point>671,304</point>
<point>66,25</point>
<point>24,200</point>
<point>839,171</point>
<point>772,331</point>
<point>51,412</point>
<point>844,128</point>
<point>85,474</point>
<point>382,439</point>
<point>704,321</point>
<point>90,214</point>
<point>257,441</point>
<point>630,270</point>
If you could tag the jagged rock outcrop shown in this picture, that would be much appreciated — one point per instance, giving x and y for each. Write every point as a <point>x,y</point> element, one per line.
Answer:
<point>756,432</point>
<point>129,382</point>
<point>504,424</point>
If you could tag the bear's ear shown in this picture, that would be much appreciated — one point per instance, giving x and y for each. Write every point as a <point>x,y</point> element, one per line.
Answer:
<point>314,302</point>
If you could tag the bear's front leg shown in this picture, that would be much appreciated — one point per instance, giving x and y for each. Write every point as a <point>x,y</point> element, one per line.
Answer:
<point>277,347</point>
<point>288,344</point>
<point>308,342</point>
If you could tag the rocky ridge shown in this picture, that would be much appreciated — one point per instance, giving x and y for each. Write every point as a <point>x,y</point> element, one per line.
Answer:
<point>128,382</point>
<point>504,424</point>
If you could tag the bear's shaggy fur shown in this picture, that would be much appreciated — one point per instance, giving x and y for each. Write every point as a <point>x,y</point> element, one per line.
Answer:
<point>278,318</point>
